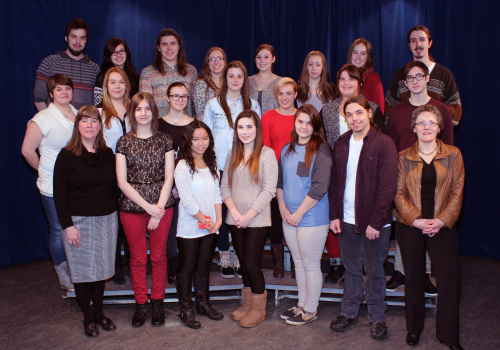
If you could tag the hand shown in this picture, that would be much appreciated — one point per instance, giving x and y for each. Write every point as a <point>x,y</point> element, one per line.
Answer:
<point>236,217</point>
<point>244,221</point>
<point>73,236</point>
<point>155,211</point>
<point>285,215</point>
<point>421,224</point>
<point>295,219</point>
<point>216,226</point>
<point>434,226</point>
<point>153,223</point>
<point>335,226</point>
<point>371,233</point>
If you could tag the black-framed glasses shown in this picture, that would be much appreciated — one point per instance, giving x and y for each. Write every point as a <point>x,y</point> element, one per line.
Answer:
<point>213,59</point>
<point>119,52</point>
<point>179,97</point>
<point>424,123</point>
<point>417,77</point>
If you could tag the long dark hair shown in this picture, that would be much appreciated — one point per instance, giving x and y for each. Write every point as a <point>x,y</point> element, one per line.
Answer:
<point>238,151</point>
<point>109,48</point>
<point>325,86</point>
<point>186,153</point>
<point>205,73</point>
<point>75,143</point>
<point>317,137</point>
<point>181,55</point>
<point>245,91</point>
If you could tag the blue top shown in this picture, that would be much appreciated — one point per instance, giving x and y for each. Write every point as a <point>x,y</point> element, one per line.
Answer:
<point>298,182</point>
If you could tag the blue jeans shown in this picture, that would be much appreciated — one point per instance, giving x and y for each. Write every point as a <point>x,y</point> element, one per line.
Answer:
<point>55,243</point>
<point>357,251</point>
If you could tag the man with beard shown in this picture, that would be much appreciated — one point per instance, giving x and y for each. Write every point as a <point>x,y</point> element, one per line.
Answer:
<point>441,85</point>
<point>72,62</point>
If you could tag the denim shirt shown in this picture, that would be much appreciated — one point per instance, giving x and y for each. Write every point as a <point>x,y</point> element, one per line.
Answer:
<point>216,120</point>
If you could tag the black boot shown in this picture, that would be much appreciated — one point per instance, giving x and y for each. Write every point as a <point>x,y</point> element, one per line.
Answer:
<point>203,306</point>
<point>278,251</point>
<point>172,268</point>
<point>158,313</point>
<point>186,314</point>
<point>140,315</point>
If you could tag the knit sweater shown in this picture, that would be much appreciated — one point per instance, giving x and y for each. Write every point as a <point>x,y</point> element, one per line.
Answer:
<point>268,100</point>
<point>82,72</point>
<point>157,85</point>
<point>246,194</point>
<point>201,94</point>
<point>441,87</point>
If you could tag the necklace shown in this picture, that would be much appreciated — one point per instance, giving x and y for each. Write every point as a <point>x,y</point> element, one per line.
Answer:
<point>172,122</point>
<point>427,154</point>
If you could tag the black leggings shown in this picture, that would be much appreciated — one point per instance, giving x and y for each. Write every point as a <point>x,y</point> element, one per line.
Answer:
<point>276,230</point>
<point>249,243</point>
<point>85,292</point>
<point>195,255</point>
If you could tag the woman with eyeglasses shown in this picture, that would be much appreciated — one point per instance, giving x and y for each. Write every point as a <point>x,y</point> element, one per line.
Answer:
<point>428,201</point>
<point>210,79</point>
<point>116,54</point>
<point>262,84</point>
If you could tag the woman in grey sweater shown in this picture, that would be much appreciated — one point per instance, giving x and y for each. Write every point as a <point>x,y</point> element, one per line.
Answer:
<point>248,185</point>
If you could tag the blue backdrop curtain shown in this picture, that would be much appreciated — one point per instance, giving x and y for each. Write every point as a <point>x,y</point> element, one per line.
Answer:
<point>463,33</point>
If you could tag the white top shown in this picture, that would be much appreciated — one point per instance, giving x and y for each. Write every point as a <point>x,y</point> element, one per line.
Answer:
<point>112,134</point>
<point>216,120</point>
<point>343,127</point>
<point>57,131</point>
<point>197,192</point>
<point>350,181</point>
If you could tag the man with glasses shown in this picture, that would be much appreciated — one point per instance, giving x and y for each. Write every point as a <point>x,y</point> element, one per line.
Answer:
<point>416,80</point>
<point>72,62</point>
<point>441,84</point>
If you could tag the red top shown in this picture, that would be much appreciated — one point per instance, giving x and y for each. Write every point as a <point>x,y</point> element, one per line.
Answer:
<point>276,129</point>
<point>373,90</point>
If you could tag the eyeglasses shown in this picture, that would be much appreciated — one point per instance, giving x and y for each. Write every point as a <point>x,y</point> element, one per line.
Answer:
<point>417,77</point>
<point>213,59</point>
<point>430,123</point>
<point>179,97</point>
<point>120,52</point>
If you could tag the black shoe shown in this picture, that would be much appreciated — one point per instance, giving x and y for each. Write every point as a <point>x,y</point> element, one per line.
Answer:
<point>140,315</point>
<point>378,330</point>
<point>158,313</point>
<point>412,339</point>
<point>187,316</point>
<point>335,273</point>
<point>207,310</point>
<point>107,325</point>
<point>91,330</point>
<point>227,272</point>
<point>238,272</point>
<point>429,288</point>
<point>453,347</point>
<point>397,280</point>
<point>341,323</point>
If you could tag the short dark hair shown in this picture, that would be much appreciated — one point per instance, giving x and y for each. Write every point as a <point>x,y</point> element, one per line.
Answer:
<point>427,108</point>
<point>76,23</point>
<point>58,79</point>
<point>412,64</point>
<point>354,72</point>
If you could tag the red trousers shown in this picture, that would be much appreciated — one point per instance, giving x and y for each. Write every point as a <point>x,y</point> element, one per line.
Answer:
<point>332,245</point>
<point>135,226</point>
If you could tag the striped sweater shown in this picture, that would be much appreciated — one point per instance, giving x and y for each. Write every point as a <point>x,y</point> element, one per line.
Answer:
<point>83,72</point>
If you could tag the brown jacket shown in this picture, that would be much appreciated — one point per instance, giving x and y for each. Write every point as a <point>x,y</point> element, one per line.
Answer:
<point>450,174</point>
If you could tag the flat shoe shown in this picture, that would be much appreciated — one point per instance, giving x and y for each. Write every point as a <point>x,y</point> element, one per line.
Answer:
<point>412,339</point>
<point>107,325</point>
<point>91,330</point>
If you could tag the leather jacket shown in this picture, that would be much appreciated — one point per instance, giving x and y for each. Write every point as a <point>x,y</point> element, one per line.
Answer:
<point>450,175</point>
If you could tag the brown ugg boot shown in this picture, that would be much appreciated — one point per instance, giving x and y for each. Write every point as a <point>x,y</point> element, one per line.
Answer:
<point>244,309</point>
<point>258,312</point>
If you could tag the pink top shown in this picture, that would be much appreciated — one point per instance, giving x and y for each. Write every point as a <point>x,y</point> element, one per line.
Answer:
<point>372,89</point>
<point>276,129</point>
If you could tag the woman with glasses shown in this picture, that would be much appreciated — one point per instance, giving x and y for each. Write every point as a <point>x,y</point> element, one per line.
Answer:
<point>262,84</point>
<point>428,201</point>
<point>210,79</point>
<point>116,54</point>
<point>170,65</point>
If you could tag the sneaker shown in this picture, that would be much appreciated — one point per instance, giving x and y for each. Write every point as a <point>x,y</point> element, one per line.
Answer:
<point>290,312</point>
<point>378,330</point>
<point>341,323</point>
<point>238,272</point>
<point>429,288</point>
<point>335,273</point>
<point>397,280</point>
<point>227,272</point>
<point>301,318</point>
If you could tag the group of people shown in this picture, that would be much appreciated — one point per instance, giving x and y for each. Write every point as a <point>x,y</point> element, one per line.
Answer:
<point>197,160</point>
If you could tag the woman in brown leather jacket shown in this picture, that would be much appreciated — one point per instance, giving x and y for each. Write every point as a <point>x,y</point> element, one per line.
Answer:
<point>428,201</point>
